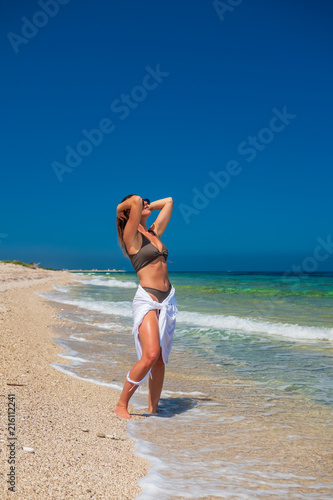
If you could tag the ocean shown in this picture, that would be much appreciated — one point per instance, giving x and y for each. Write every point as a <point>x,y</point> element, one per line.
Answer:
<point>247,406</point>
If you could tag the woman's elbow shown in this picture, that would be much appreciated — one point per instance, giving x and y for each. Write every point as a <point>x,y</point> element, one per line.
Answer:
<point>136,200</point>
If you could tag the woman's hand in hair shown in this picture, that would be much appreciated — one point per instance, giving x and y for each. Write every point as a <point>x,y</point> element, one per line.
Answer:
<point>122,216</point>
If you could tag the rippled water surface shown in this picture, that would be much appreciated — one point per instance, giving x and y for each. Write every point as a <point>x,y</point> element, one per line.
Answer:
<point>246,410</point>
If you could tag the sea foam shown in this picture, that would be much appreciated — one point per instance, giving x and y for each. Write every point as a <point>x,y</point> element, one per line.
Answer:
<point>250,325</point>
<point>217,321</point>
<point>110,282</point>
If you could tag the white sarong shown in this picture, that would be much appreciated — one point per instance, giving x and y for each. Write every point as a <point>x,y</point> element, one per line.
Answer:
<point>167,311</point>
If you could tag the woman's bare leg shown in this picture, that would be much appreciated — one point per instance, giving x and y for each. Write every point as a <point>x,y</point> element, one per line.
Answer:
<point>150,343</point>
<point>156,383</point>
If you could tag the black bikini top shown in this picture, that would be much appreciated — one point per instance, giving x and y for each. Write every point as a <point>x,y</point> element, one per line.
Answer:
<point>147,253</point>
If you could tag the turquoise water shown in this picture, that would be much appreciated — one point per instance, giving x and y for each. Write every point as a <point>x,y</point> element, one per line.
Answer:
<point>266,327</point>
<point>265,337</point>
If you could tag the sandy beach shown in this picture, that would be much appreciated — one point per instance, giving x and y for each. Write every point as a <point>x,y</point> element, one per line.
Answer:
<point>65,439</point>
<point>227,435</point>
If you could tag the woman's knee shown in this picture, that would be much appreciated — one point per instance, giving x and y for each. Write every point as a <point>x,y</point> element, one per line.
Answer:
<point>150,356</point>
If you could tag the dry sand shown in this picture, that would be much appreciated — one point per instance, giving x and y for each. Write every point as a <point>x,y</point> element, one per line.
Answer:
<point>60,419</point>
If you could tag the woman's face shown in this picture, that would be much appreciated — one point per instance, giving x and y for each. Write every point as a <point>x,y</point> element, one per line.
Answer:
<point>145,206</point>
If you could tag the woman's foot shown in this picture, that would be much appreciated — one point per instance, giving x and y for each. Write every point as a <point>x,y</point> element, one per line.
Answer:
<point>122,412</point>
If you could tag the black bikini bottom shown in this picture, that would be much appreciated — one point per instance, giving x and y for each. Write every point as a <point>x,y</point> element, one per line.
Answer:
<point>159,294</point>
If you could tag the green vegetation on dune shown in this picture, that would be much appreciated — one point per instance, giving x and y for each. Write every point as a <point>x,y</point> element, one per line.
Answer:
<point>31,265</point>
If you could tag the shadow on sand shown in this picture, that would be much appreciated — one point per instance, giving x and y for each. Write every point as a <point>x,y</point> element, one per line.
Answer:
<point>169,407</point>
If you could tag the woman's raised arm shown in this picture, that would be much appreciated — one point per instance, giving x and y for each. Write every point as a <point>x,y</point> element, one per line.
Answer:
<point>130,210</point>
<point>163,218</point>
<point>127,205</point>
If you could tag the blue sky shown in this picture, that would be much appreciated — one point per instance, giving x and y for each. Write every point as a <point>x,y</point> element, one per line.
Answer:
<point>180,91</point>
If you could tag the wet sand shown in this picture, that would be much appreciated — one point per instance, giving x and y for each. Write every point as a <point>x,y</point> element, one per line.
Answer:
<point>69,443</point>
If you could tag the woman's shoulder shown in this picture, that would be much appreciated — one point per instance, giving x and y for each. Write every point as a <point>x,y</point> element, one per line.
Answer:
<point>134,242</point>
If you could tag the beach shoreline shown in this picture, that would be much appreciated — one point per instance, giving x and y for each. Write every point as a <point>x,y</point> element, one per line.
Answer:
<point>69,443</point>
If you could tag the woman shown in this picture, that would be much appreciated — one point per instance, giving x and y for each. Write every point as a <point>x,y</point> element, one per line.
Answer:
<point>154,305</point>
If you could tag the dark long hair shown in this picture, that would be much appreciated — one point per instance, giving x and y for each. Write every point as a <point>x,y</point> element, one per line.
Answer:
<point>121,224</point>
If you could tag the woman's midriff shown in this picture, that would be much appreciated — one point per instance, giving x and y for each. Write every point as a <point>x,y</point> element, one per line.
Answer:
<point>155,275</point>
